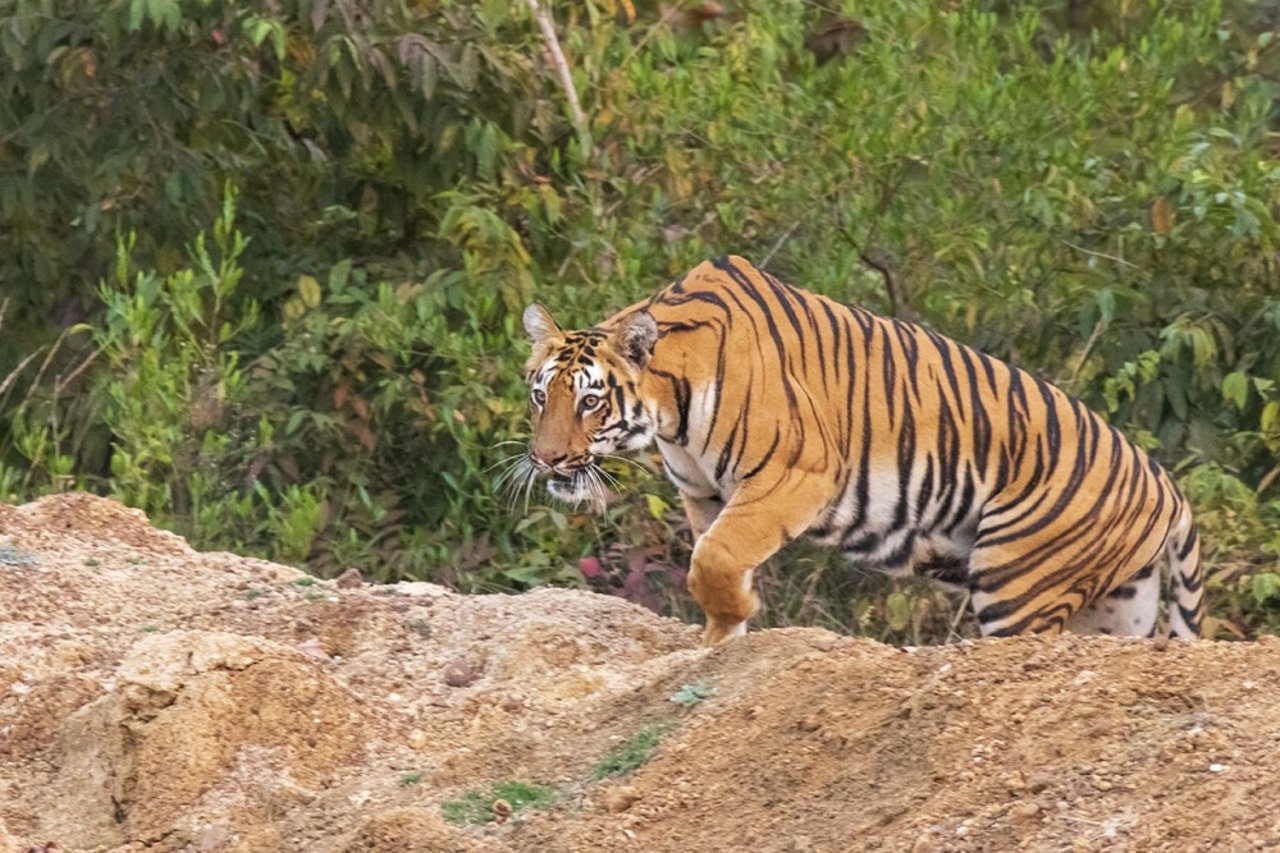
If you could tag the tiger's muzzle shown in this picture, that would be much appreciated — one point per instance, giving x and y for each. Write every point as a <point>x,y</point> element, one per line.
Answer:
<point>573,480</point>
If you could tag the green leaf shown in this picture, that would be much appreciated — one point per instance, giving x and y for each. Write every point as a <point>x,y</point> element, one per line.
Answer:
<point>165,14</point>
<point>279,40</point>
<point>1175,392</point>
<point>1263,586</point>
<point>657,506</point>
<point>137,13</point>
<point>1235,388</point>
<point>1106,304</point>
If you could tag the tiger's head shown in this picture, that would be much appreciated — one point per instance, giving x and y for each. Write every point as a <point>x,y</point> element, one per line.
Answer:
<point>584,393</point>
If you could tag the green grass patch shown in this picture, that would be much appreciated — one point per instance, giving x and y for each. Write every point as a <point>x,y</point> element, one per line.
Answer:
<point>305,582</point>
<point>691,694</point>
<point>478,806</point>
<point>633,754</point>
<point>408,780</point>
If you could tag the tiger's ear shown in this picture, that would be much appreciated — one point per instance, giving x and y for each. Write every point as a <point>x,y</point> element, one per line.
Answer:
<point>539,324</point>
<point>636,336</point>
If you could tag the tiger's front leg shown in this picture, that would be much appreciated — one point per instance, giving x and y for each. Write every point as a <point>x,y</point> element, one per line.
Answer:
<point>753,525</point>
<point>701,512</point>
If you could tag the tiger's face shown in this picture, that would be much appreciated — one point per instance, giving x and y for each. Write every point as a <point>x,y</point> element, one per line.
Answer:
<point>585,401</point>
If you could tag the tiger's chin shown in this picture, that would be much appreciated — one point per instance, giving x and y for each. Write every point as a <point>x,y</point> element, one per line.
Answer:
<point>584,485</point>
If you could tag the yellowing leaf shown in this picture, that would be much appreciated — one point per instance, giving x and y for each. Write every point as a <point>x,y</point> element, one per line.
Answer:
<point>293,309</point>
<point>1270,416</point>
<point>657,506</point>
<point>309,290</point>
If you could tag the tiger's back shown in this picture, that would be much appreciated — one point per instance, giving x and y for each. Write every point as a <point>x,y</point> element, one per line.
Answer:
<point>780,412</point>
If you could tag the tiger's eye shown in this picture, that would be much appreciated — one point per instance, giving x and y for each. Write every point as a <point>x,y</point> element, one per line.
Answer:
<point>589,402</point>
<point>539,397</point>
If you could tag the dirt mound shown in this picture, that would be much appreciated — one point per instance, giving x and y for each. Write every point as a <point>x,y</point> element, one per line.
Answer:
<point>156,698</point>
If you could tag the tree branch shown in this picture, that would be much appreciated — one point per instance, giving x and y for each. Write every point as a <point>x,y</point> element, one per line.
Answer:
<point>579,119</point>
<point>895,301</point>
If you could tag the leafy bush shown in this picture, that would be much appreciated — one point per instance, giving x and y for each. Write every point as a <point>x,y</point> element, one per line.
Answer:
<point>328,376</point>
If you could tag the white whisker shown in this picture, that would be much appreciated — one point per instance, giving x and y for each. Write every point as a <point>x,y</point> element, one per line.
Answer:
<point>515,465</point>
<point>516,479</point>
<point>528,487</point>
<point>507,460</point>
<point>598,489</point>
<point>633,463</point>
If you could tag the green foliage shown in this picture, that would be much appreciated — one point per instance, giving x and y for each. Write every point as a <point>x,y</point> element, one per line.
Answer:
<point>322,367</point>
<point>632,755</point>
<point>478,806</point>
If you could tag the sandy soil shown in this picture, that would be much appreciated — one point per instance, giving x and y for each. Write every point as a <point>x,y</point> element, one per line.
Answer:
<point>153,697</point>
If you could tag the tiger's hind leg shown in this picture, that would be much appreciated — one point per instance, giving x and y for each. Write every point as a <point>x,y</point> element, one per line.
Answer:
<point>1010,597</point>
<point>1129,610</point>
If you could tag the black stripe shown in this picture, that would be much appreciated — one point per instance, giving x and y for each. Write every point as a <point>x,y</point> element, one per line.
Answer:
<point>765,461</point>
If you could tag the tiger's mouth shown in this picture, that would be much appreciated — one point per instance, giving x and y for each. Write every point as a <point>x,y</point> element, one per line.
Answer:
<point>582,484</point>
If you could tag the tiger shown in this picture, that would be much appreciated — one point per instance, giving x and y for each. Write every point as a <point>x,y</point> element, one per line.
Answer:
<point>780,412</point>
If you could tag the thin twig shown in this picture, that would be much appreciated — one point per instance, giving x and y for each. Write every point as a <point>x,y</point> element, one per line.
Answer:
<point>13,374</point>
<point>547,26</point>
<point>786,235</point>
<point>1098,328</point>
<point>1115,258</point>
<point>60,383</point>
<point>48,359</point>
<point>1267,480</point>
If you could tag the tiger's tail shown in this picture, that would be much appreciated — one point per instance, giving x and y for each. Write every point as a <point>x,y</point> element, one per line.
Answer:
<point>1186,579</point>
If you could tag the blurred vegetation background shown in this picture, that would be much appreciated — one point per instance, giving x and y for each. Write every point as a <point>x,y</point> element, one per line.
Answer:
<point>261,264</point>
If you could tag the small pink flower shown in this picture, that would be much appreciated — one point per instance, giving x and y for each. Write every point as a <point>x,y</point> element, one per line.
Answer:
<point>590,567</point>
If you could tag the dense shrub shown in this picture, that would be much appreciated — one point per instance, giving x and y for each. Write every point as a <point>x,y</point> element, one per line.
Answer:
<point>328,375</point>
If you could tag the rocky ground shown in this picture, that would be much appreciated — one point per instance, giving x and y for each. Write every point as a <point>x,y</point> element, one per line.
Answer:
<point>153,697</point>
